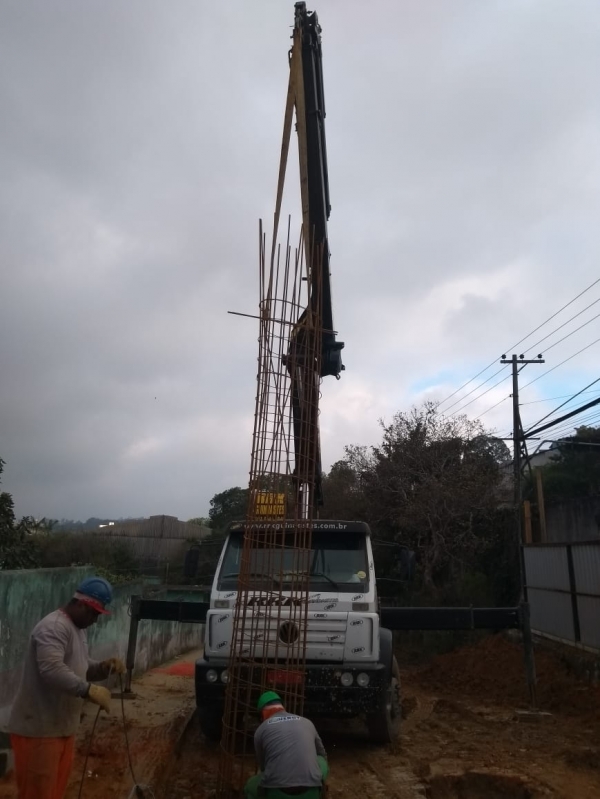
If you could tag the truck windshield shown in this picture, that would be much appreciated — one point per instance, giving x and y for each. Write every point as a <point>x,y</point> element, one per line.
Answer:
<point>336,562</point>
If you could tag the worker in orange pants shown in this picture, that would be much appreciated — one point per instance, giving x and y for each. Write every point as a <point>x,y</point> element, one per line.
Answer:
<point>42,765</point>
<point>56,680</point>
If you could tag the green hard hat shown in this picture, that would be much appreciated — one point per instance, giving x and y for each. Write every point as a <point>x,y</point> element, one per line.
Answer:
<point>267,698</point>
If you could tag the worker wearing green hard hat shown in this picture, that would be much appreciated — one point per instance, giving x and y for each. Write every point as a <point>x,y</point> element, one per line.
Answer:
<point>269,697</point>
<point>291,757</point>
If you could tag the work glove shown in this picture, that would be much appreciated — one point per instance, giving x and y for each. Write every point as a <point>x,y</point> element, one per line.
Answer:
<point>114,666</point>
<point>99,696</point>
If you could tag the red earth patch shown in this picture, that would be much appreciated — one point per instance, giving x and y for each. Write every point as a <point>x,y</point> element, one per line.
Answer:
<point>185,669</point>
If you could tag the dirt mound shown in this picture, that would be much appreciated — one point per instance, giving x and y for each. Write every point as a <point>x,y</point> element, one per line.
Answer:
<point>493,669</point>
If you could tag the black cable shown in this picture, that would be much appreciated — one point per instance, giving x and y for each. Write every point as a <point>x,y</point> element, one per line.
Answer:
<point>532,381</point>
<point>583,422</point>
<point>549,399</point>
<point>493,406</point>
<point>479,396</point>
<point>560,327</point>
<point>547,372</point>
<point>568,430</point>
<point>564,403</point>
<point>89,749</point>
<point>564,338</point>
<point>560,310</point>
<point>475,389</point>
<point>87,754</point>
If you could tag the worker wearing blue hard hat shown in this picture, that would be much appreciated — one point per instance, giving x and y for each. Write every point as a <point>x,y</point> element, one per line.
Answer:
<point>58,675</point>
<point>291,757</point>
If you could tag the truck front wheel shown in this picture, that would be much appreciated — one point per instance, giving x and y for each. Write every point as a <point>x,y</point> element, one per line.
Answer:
<point>384,725</point>
<point>211,722</point>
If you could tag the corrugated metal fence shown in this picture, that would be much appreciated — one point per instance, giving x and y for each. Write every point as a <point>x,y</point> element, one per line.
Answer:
<point>563,588</point>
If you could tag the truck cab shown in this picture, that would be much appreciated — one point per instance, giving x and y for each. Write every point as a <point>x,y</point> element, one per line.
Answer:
<point>349,667</point>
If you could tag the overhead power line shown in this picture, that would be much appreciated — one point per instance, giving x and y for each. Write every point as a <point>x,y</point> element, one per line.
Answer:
<point>561,396</point>
<point>587,421</point>
<point>494,406</point>
<point>555,422</point>
<point>566,360</point>
<point>513,346</point>
<point>475,389</point>
<point>597,380</point>
<point>560,327</point>
<point>479,396</point>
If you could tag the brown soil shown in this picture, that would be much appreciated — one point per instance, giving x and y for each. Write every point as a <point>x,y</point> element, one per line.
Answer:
<point>461,737</point>
<point>493,669</point>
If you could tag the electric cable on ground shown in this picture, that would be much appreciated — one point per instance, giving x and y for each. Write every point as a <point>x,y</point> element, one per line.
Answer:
<point>138,791</point>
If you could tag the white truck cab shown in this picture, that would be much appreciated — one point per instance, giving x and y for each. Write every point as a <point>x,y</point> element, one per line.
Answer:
<point>349,669</point>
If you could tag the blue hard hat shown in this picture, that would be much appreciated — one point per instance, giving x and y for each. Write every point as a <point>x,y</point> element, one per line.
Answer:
<point>95,592</point>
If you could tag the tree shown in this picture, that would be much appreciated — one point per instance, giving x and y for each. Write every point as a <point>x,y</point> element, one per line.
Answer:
<point>574,471</point>
<point>432,484</point>
<point>17,549</point>
<point>201,521</point>
<point>343,497</point>
<point>228,506</point>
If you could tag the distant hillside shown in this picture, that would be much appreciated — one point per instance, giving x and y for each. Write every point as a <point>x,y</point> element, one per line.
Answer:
<point>92,523</point>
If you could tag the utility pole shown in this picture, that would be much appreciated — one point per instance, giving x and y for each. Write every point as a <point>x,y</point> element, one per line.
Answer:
<point>518,362</point>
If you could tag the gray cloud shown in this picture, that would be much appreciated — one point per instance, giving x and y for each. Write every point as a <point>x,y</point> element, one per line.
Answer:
<point>139,146</point>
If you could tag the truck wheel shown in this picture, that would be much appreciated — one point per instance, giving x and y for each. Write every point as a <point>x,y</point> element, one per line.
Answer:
<point>384,726</point>
<point>211,722</point>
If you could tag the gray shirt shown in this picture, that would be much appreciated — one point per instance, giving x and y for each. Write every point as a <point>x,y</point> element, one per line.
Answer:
<point>286,748</point>
<point>54,680</point>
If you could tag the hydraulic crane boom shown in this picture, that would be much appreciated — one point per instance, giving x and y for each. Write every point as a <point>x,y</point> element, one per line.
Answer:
<point>318,181</point>
<point>304,369</point>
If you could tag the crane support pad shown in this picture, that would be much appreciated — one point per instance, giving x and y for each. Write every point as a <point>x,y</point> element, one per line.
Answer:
<point>450,618</point>
<point>170,610</point>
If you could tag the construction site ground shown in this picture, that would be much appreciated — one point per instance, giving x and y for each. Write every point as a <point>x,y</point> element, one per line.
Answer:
<point>462,736</point>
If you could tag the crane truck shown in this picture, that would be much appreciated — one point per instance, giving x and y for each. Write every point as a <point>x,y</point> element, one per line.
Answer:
<point>350,666</point>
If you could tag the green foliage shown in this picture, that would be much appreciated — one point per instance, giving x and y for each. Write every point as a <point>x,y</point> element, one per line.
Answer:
<point>574,471</point>
<point>201,521</point>
<point>18,550</point>
<point>77,549</point>
<point>432,484</point>
<point>228,506</point>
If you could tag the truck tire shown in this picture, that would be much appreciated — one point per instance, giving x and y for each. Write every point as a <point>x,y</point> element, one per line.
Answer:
<point>384,725</point>
<point>211,722</point>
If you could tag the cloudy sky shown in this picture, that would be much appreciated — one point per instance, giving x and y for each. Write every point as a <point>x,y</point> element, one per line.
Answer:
<point>139,146</point>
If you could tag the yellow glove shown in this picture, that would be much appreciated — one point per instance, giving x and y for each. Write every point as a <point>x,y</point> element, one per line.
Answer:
<point>114,665</point>
<point>99,696</point>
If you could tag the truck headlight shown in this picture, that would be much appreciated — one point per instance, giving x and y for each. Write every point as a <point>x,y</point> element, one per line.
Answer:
<point>346,679</point>
<point>363,679</point>
<point>221,603</point>
<point>211,676</point>
<point>224,676</point>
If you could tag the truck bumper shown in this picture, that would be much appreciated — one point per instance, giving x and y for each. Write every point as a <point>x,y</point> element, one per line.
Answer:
<point>330,689</point>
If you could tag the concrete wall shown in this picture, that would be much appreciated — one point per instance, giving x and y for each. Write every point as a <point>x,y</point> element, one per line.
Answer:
<point>28,595</point>
<point>577,520</point>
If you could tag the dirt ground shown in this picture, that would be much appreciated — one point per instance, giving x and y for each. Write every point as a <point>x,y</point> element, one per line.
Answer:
<point>462,737</point>
<point>156,718</point>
